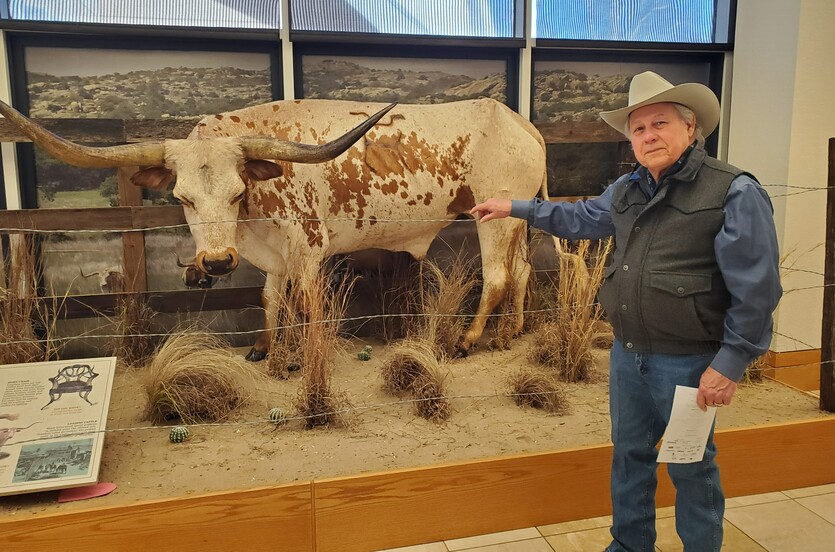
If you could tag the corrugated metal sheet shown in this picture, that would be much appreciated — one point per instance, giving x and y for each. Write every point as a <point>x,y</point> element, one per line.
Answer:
<point>687,21</point>
<point>470,18</point>
<point>248,14</point>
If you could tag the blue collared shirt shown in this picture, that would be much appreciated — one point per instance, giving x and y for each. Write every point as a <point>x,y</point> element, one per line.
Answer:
<point>746,252</point>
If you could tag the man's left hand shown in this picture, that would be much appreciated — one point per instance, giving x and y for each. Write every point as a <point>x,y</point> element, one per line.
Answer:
<point>714,389</point>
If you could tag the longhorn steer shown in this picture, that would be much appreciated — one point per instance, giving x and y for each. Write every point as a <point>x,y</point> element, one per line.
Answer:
<point>111,280</point>
<point>410,176</point>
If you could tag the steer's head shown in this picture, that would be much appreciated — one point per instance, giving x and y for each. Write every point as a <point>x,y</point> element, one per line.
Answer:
<point>211,174</point>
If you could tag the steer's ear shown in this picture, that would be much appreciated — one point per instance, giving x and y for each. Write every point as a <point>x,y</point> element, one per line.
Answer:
<point>259,169</point>
<point>153,178</point>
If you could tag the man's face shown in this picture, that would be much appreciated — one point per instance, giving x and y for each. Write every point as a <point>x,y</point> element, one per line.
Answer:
<point>659,136</point>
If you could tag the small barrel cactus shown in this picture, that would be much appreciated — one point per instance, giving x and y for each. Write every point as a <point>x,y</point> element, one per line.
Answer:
<point>364,355</point>
<point>178,434</point>
<point>277,416</point>
<point>367,349</point>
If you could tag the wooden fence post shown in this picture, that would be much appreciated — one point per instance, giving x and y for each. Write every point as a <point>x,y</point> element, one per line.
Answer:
<point>827,400</point>
<point>133,243</point>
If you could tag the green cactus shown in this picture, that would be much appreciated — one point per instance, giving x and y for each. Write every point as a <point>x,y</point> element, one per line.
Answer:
<point>364,355</point>
<point>178,434</point>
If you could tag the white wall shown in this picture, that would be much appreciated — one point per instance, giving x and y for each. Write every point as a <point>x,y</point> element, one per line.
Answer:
<point>782,115</point>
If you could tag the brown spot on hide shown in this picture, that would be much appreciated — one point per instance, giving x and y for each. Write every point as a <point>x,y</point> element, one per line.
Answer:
<point>250,124</point>
<point>389,188</point>
<point>396,158</point>
<point>271,204</point>
<point>235,119</point>
<point>201,124</point>
<point>411,203</point>
<point>372,220</point>
<point>462,202</point>
<point>384,156</point>
<point>276,107</point>
<point>219,117</point>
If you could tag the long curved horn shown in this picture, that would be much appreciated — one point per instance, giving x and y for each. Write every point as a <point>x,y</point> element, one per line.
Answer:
<point>181,265</point>
<point>261,147</point>
<point>97,273</point>
<point>147,153</point>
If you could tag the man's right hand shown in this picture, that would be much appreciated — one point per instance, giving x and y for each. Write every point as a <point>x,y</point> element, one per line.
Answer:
<point>491,209</point>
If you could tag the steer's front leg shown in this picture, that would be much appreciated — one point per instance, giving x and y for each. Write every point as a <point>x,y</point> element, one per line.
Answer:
<point>272,287</point>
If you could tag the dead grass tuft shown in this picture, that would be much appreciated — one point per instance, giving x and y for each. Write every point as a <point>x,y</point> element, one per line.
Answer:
<point>536,390</point>
<point>196,378</point>
<point>414,369</point>
<point>755,372</point>
<point>316,402</point>
<point>285,348</point>
<point>564,342</point>
<point>133,319</point>
<point>442,293</point>
<point>21,320</point>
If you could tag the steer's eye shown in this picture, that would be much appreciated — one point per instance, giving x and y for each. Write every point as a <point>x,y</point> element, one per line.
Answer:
<point>184,202</point>
<point>237,198</point>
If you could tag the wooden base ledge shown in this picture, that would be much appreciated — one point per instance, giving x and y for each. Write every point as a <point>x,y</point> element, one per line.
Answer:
<point>392,509</point>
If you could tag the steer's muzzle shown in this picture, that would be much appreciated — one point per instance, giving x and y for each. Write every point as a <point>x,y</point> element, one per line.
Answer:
<point>218,265</point>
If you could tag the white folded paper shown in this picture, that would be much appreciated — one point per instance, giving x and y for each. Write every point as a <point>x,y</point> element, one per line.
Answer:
<point>688,430</point>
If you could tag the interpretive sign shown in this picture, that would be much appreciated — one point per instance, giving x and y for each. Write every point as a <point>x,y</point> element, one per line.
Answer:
<point>52,421</point>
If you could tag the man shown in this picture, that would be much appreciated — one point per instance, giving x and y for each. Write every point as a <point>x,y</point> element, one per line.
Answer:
<point>690,291</point>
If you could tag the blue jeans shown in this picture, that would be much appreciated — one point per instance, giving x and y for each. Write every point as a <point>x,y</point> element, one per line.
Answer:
<point>641,388</point>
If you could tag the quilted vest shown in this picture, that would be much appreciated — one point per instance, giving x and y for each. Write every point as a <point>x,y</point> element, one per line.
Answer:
<point>663,291</point>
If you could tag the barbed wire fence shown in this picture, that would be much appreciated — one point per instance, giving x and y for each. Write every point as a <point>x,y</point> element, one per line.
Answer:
<point>265,421</point>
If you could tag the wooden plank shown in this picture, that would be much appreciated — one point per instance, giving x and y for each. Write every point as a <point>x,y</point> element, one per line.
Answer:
<point>94,218</point>
<point>445,502</point>
<point>460,500</point>
<point>777,457</point>
<point>576,133</point>
<point>277,518</point>
<point>827,371</point>
<point>793,358</point>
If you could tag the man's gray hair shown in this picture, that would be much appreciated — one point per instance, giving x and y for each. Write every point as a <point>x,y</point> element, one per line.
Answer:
<point>687,115</point>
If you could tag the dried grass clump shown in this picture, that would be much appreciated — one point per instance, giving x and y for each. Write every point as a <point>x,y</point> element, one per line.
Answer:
<point>196,378</point>
<point>409,360</point>
<point>19,307</point>
<point>441,295</point>
<point>133,319</point>
<point>565,341</point>
<point>532,389</point>
<point>755,372</point>
<point>414,369</point>
<point>508,323</point>
<point>316,402</point>
<point>431,404</point>
<point>285,348</point>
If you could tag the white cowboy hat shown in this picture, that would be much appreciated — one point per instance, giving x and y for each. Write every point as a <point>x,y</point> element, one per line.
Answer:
<point>649,88</point>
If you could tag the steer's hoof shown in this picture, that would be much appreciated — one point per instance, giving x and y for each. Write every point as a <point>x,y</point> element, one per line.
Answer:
<point>254,355</point>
